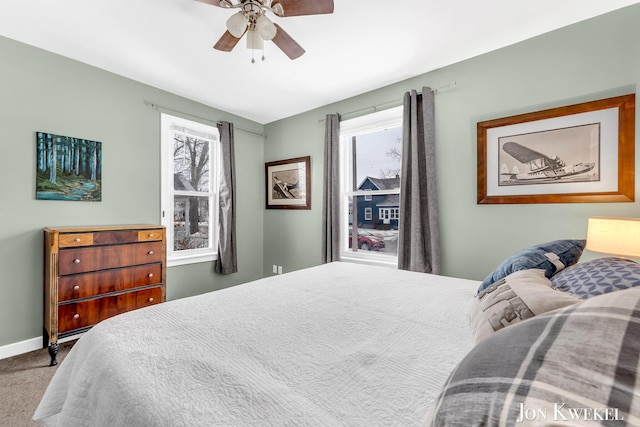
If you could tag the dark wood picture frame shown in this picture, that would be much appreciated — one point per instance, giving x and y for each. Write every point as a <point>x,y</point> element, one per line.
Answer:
<point>542,124</point>
<point>288,183</point>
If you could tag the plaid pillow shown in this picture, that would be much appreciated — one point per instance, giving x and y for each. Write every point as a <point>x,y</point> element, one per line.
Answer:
<point>572,366</point>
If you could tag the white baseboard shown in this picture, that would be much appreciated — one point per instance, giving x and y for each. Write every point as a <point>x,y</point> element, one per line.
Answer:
<point>21,347</point>
<point>26,346</point>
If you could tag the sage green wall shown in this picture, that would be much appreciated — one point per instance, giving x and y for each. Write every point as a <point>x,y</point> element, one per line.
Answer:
<point>586,61</point>
<point>40,91</point>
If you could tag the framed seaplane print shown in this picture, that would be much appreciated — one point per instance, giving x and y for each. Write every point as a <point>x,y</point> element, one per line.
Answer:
<point>574,154</point>
<point>288,183</point>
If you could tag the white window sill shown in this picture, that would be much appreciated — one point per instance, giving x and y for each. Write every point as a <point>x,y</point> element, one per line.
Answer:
<point>379,260</point>
<point>191,259</point>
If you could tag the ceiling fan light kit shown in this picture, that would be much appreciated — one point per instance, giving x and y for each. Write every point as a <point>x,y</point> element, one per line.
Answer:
<point>265,27</point>
<point>237,24</point>
<point>251,20</point>
<point>254,40</point>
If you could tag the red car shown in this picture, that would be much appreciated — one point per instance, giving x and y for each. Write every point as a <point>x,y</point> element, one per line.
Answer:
<point>368,241</point>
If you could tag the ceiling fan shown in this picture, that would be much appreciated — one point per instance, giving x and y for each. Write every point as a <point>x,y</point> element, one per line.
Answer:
<point>251,19</point>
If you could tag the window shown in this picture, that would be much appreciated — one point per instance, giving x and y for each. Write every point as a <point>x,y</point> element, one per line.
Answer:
<point>371,149</point>
<point>389,213</point>
<point>367,213</point>
<point>189,199</point>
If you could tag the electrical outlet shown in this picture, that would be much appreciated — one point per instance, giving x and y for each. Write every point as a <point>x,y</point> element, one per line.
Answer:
<point>275,269</point>
<point>279,269</point>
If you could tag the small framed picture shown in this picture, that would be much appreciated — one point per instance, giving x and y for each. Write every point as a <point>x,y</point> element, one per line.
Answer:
<point>288,183</point>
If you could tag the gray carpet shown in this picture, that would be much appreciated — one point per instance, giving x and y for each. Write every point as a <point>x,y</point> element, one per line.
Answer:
<point>23,381</point>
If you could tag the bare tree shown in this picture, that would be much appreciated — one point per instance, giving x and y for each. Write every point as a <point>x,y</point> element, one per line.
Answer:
<point>191,161</point>
<point>396,154</point>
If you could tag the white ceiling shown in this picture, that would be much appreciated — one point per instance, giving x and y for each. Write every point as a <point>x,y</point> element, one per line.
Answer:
<point>363,45</point>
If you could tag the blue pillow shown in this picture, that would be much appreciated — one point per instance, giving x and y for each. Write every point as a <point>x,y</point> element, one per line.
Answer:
<point>597,277</point>
<point>550,257</point>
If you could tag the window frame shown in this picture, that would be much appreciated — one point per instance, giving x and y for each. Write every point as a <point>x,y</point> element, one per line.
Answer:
<point>380,120</point>
<point>389,213</point>
<point>169,125</point>
<point>368,213</point>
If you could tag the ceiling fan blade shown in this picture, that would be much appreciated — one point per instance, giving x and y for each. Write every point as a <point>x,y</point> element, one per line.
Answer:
<point>287,44</point>
<point>305,7</point>
<point>227,42</point>
<point>213,2</point>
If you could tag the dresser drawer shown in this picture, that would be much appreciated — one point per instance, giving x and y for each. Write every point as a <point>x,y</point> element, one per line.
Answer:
<point>139,299</point>
<point>149,297</point>
<point>86,285</point>
<point>81,260</point>
<point>68,240</point>
<point>87,313</point>
<point>149,235</point>
<point>75,239</point>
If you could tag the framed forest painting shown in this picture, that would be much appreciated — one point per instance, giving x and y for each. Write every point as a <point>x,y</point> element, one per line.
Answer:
<point>68,168</point>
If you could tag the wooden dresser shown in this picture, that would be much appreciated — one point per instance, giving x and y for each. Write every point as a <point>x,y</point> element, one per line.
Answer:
<point>93,273</point>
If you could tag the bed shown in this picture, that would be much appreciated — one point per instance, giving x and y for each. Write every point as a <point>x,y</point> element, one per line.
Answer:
<point>543,340</point>
<point>334,345</point>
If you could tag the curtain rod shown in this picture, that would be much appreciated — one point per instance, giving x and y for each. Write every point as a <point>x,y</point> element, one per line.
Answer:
<point>163,108</point>
<point>390,104</point>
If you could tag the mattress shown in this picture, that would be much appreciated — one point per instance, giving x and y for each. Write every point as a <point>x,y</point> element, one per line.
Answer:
<point>334,345</point>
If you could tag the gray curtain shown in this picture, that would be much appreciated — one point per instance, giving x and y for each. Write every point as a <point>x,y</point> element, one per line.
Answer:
<point>227,252</point>
<point>419,235</point>
<point>331,190</point>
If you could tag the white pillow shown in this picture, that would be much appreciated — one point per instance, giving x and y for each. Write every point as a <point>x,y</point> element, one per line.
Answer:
<point>518,296</point>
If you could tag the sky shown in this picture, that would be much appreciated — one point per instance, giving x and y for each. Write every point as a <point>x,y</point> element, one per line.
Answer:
<point>372,149</point>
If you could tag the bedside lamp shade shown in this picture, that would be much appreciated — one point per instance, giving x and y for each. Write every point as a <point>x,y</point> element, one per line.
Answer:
<point>614,236</point>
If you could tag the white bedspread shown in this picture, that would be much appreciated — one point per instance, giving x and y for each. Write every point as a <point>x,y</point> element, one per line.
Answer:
<point>334,345</point>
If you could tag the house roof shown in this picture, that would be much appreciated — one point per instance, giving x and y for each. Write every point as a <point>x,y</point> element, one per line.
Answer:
<point>390,201</point>
<point>382,183</point>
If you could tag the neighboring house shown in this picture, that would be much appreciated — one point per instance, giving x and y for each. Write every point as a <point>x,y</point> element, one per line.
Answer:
<point>189,231</point>
<point>379,211</point>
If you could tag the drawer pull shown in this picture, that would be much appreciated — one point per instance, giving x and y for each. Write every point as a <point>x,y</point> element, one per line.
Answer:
<point>150,275</point>
<point>151,235</point>
<point>76,316</point>
<point>76,261</point>
<point>151,299</point>
<point>150,252</point>
<point>77,239</point>
<point>76,288</point>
